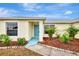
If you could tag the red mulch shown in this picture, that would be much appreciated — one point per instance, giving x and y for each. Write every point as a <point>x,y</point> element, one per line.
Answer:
<point>13,43</point>
<point>72,45</point>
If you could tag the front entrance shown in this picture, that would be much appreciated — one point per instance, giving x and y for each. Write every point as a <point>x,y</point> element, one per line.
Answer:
<point>34,40</point>
<point>36,31</point>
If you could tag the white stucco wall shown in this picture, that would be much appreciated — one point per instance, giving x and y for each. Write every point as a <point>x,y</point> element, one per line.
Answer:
<point>31,29</point>
<point>41,30</point>
<point>22,29</point>
<point>4,30</point>
<point>76,25</point>
<point>2,27</point>
<point>25,29</point>
<point>60,28</point>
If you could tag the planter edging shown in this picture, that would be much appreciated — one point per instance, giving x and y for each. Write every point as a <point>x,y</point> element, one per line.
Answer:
<point>8,47</point>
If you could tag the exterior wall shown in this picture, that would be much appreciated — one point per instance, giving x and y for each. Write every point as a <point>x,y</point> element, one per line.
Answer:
<point>31,30</point>
<point>4,30</point>
<point>41,31</point>
<point>60,28</point>
<point>76,25</point>
<point>2,27</point>
<point>25,29</point>
<point>22,29</point>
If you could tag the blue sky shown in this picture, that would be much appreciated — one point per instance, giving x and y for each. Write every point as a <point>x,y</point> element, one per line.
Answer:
<point>48,10</point>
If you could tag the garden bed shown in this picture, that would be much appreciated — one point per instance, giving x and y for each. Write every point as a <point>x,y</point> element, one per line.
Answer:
<point>72,45</point>
<point>12,43</point>
<point>14,49</point>
<point>18,52</point>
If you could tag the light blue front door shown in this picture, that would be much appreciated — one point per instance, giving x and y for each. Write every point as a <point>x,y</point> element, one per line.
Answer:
<point>36,30</point>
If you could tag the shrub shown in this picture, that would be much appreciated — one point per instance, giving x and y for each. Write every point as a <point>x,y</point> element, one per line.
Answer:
<point>64,38</point>
<point>72,31</point>
<point>21,41</point>
<point>5,39</point>
<point>50,31</point>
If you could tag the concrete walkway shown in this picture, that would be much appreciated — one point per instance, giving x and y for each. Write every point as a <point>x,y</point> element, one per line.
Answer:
<point>51,51</point>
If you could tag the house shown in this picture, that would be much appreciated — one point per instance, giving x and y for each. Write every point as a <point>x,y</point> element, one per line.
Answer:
<point>32,27</point>
<point>27,27</point>
<point>61,26</point>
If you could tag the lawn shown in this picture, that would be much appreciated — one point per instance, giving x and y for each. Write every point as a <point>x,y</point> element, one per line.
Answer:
<point>18,52</point>
<point>72,45</point>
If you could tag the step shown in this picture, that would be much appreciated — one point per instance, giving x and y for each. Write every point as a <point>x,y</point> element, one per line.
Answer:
<point>32,41</point>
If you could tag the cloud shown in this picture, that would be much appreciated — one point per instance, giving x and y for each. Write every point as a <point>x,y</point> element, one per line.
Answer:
<point>7,12</point>
<point>64,4</point>
<point>68,12</point>
<point>58,6</point>
<point>53,11</point>
<point>30,6</point>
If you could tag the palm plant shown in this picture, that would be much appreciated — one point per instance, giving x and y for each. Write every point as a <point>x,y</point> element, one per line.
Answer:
<point>64,38</point>
<point>5,39</point>
<point>72,31</point>
<point>21,41</point>
<point>50,32</point>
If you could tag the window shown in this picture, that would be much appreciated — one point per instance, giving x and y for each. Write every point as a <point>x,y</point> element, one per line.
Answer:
<point>51,26</point>
<point>46,27</point>
<point>12,28</point>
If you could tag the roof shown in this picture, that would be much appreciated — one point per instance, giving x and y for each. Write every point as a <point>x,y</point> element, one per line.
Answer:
<point>22,18</point>
<point>53,21</point>
<point>61,21</point>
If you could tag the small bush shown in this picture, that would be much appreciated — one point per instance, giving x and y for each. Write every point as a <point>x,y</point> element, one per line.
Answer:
<point>50,32</point>
<point>5,39</point>
<point>72,31</point>
<point>21,41</point>
<point>64,38</point>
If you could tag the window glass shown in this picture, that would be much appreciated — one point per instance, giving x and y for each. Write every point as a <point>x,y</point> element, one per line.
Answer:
<point>47,26</point>
<point>12,28</point>
<point>51,26</point>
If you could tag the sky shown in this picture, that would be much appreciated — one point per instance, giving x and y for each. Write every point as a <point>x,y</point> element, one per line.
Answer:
<point>48,10</point>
